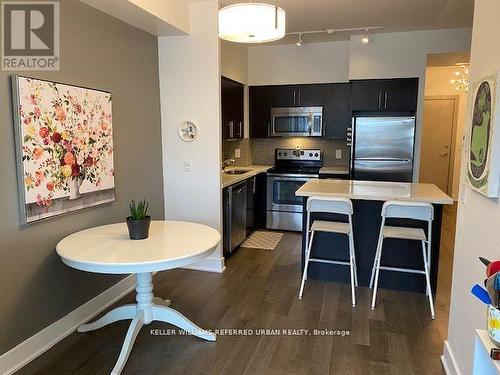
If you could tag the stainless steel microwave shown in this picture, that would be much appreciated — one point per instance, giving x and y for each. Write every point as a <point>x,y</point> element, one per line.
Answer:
<point>297,122</point>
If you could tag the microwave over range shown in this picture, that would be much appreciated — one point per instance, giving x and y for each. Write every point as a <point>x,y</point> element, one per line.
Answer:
<point>296,122</point>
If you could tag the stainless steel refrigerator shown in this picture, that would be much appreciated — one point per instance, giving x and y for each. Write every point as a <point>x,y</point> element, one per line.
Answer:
<point>383,148</point>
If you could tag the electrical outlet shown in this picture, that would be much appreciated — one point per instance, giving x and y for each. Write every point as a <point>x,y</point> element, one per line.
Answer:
<point>338,154</point>
<point>188,164</point>
<point>237,153</point>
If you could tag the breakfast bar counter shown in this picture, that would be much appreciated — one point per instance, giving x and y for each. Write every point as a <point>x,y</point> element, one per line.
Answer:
<point>368,198</point>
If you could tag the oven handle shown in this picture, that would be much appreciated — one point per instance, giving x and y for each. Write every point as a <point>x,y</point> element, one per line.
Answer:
<point>293,177</point>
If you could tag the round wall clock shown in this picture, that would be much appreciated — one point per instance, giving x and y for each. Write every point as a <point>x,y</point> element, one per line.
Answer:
<point>188,131</point>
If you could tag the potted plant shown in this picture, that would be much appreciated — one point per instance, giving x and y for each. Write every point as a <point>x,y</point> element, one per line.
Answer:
<point>138,222</point>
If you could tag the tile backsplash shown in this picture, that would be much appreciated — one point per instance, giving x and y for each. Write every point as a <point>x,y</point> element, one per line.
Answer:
<point>261,150</point>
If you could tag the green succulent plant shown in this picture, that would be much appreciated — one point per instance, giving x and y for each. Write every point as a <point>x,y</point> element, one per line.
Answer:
<point>138,211</point>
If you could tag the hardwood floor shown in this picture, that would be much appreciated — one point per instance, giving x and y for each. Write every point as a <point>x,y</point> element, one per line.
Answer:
<point>259,291</point>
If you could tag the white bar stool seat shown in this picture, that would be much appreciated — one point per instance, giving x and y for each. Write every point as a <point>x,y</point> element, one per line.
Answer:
<point>330,226</point>
<point>421,211</point>
<point>404,233</point>
<point>333,205</point>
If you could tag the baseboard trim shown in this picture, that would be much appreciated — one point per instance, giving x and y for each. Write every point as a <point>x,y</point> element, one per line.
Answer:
<point>42,341</point>
<point>448,360</point>
<point>208,264</point>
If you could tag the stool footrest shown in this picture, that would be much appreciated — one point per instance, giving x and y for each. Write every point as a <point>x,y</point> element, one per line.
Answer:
<point>409,270</point>
<point>345,263</point>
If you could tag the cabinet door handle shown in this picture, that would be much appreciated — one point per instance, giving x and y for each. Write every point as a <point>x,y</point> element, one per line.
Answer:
<point>231,129</point>
<point>254,183</point>
<point>268,129</point>
<point>385,102</point>
<point>241,130</point>
<point>294,96</point>
<point>380,100</point>
<point>299,97</point>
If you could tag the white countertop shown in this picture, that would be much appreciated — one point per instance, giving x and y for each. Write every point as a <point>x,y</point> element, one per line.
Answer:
<point>231,179</point>
<point>375,190</point>
<point>334,170</point>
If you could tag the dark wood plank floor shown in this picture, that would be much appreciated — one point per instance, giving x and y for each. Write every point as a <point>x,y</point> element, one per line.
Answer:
<point>259,290</point>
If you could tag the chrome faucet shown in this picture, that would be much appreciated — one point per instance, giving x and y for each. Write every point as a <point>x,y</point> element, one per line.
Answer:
<point>226,163</point>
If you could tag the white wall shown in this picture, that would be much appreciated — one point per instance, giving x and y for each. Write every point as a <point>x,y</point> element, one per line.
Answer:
<point>234,61</point>
<point>161,18</point>
<point>397,55</point>
<point>190,90</point>
<point>288,63</point>
<point>478,217</point>
<point>437,82</point>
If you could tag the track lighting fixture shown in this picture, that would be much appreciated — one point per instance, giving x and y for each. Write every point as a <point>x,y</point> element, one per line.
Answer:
<point>331,31</point>
<point>366,37</point>
<point>299,42</point>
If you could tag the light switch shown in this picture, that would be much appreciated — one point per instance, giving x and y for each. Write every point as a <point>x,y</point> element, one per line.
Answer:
<point>237,153</point>
<point>338,154</point>
<point>188,164</point>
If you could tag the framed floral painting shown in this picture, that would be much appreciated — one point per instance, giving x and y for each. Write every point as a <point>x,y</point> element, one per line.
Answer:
<point>64,146</point>
<point>483,164</point>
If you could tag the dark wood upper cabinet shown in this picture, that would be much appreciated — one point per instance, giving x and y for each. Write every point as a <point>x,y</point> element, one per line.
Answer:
<point>232,100</point>
<point>401,95</point>
<point>260,99</point>
<point>310,95</point>
<point>385,95</point>
<point>337,112</point>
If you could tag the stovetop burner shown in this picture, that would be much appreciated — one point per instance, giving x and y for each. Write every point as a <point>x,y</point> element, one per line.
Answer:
<point>298,161</point>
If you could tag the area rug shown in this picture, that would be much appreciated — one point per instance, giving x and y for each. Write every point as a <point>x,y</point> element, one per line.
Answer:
<point>261,239</point>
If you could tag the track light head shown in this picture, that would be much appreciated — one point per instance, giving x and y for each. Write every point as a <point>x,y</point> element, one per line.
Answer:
<point>299,42</point>
<point>366,38</point>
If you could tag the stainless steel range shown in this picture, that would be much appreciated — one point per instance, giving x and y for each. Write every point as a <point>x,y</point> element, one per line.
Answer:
<point>292,169</point>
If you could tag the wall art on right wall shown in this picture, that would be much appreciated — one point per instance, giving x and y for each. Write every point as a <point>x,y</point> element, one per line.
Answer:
<point>483,162</point>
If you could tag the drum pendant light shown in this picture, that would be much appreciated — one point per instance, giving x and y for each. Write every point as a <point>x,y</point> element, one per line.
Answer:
<point>251,23</point>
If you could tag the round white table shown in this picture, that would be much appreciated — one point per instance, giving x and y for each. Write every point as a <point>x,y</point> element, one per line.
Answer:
<point>108,249</point>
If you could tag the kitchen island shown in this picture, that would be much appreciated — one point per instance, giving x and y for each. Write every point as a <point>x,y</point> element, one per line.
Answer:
<point>368,198</point>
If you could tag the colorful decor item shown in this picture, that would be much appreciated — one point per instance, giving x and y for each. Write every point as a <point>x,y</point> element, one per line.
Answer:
<point>483,166</point>
<point>64,140</point>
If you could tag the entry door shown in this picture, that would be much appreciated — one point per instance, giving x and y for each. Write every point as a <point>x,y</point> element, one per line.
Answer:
<point>436,164</point>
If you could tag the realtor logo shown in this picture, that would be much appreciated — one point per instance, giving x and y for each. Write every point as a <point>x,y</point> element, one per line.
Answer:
<point>30,35</point>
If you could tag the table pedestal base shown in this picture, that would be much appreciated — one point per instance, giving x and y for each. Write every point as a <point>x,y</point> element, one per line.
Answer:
<point>147,309</point>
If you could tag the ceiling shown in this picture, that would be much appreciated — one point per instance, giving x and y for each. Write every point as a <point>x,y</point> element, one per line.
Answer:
<point>394,15</point>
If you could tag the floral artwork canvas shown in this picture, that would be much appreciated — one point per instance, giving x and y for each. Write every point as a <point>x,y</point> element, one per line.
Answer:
<point>483,162</point>
<point>64,140</point>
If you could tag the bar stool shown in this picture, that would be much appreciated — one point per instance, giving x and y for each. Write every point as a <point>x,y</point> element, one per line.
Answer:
<point>334,205</point>
<point>422,211</point>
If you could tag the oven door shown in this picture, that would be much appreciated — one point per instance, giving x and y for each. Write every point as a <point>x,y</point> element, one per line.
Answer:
<point>281,192</point>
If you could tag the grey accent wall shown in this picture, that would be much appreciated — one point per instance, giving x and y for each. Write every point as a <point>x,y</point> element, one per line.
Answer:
<point>101,52</point>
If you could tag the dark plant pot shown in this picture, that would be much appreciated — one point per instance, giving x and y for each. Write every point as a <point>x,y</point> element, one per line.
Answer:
<point>138,229</point>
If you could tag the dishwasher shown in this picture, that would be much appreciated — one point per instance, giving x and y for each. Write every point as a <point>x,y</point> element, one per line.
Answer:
<point>235,216</point>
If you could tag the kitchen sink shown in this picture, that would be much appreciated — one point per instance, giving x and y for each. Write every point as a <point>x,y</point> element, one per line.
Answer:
<point>237,171</point>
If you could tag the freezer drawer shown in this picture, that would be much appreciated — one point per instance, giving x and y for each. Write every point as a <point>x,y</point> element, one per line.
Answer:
<point>386,170</point>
